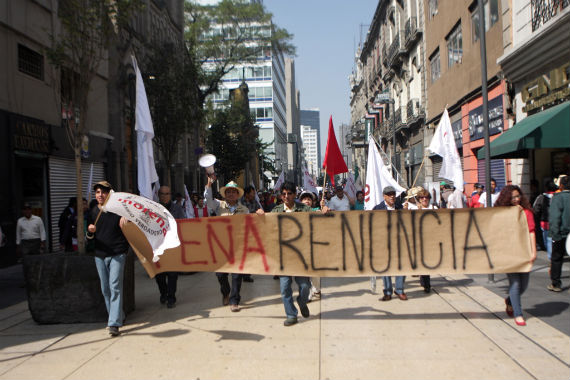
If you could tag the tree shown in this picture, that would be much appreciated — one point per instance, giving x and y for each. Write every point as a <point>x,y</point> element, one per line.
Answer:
<point>172,102</point>
<point>86,30</point>
<point>266,160</point>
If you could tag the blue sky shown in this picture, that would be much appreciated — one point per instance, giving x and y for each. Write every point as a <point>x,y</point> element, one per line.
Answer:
<point>326,34</point>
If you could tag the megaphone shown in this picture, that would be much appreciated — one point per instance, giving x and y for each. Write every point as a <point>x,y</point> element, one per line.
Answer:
<point>207,161</point>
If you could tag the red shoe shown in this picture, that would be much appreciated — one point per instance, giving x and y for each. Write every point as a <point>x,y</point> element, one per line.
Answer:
<point>520,323</point>
<point>509,309</point>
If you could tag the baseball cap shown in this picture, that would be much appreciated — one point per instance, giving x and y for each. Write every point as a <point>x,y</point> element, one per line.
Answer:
<point>103,184</point>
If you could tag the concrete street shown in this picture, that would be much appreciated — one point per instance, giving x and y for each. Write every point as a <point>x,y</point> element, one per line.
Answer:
<point>458,331</point>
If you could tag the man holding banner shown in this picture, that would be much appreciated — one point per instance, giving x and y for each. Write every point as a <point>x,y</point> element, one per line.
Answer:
<point>110,253</point>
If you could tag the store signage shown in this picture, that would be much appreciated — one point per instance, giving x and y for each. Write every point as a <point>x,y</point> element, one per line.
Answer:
<point>547,88</point>
<point>30,135</point>
<point>476,126</point>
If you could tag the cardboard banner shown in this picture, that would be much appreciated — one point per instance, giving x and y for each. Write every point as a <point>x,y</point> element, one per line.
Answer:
<point>155,222</point>
<point>348,243</point>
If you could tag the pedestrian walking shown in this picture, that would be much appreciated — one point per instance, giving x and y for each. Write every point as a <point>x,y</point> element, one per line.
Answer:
<point>110,254</point>
<point>389,203</point>
<point>512,195</point>
<point>30,233</point>
<point>167,281</point>
<point>229,206</point>
<point>559,223</point>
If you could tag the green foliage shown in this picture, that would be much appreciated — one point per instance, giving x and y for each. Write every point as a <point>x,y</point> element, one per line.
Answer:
<point>232,138</point>
<point>173,104</point>
<point>229,33</point>
<point>266,160</point>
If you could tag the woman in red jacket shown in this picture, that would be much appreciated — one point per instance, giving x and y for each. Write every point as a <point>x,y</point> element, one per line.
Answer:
<point>512,195</point>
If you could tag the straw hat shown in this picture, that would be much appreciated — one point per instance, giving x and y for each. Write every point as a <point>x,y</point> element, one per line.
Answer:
<point>413,192</point>
<point>231,185</point>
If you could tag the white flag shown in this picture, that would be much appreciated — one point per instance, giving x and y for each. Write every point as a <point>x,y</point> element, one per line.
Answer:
<point>377,178</point>
<point>146,171</point>
<point>89,185</point>
<point>153,219</point>
<point>155,188</point>
<point>350,186</point>
<point>188,207</point>
<point>308,182</point>
<point>279,183</point>
<point>443,144</point>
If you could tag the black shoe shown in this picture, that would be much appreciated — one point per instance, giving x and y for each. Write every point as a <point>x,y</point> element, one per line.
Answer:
<point>248,278</point>
<point>276,277</point>
<point>427,289</point>
<point>163,299</point>
<point>304,310</point>
<point>290,321</point>
<point>114,331</point>
<point>170,304</point>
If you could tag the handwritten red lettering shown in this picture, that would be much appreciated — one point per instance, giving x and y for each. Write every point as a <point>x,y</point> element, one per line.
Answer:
<point>250,226</point>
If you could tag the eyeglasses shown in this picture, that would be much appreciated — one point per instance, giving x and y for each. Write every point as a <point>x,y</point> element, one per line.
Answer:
<point>285,193</point>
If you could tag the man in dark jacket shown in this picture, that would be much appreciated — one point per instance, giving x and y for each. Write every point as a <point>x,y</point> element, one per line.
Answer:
<point>559,223</point>
<point>110,253</point>
<point>167,281</point>
<point>390,203</point>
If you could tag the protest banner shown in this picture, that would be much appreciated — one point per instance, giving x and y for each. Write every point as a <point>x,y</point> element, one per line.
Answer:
<point>347,244</point>
<point>155,222</point>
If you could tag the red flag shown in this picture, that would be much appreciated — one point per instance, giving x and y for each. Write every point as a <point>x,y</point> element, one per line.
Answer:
<point>333,163</point>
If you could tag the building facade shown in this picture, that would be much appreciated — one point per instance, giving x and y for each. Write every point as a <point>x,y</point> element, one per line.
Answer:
<point>295,152</point>
<point>388,91</point>
<point>536,64</point>
<point>453,60</point>
<point>310,138</point>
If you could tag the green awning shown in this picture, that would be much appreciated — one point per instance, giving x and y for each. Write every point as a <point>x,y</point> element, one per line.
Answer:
<point>546,129</point>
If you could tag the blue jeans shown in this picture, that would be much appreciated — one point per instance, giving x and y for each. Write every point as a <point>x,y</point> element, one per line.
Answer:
<point>547,243</point>
<point>518,282</point>
<point>388,285</point>
<point>111,270</point>
<point>285,283</point>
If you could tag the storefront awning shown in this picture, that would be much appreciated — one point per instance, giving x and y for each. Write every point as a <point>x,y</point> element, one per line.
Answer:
<point>546,129</point>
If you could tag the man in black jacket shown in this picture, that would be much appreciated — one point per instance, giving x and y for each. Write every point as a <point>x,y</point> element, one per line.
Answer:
<point>167,281</point>
<point>390,203</point>
<point>110,253</point>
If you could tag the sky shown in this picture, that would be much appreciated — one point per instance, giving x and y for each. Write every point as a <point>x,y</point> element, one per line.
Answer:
<point>326,34</point>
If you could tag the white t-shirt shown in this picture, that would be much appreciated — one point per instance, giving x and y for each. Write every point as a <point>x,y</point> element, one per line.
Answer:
<point>483,198</point>
<point>337,204</point>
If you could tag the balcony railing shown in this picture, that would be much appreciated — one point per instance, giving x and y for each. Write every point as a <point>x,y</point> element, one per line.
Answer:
<point>544,10</point>
<point>412,31</point>
<point>396,48</point>
<point>384,55</point>
<point>414,111</point>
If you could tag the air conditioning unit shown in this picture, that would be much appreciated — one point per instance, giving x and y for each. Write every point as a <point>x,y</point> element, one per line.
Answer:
<point>291,138</point>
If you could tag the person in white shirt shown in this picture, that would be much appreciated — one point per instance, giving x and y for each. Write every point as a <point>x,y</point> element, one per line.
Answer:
<point>30,233</point>
<point>340,202</point>
<point>457,199</point>
<point>494,195</point>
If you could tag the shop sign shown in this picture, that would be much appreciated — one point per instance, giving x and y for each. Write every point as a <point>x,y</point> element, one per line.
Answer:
<point>547,88</point>
<point>495,107</point>
<point>30,135</point>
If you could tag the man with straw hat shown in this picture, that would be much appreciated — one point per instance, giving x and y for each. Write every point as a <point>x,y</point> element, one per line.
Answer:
<point>110,253</point>
<point>229,206</point>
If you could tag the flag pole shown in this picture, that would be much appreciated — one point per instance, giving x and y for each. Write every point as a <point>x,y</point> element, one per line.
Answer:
<point>324,184</point>
<point>419,171</point>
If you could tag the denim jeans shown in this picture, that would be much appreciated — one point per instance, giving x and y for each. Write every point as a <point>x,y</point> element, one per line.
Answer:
<point>518,282</point>
<point>547,243</point>
<point>388,285</point>
<point>235,288</point>
<point>167,285</point>
<point>558,251</point>
<point>111,270</point>
<point>285,283</point>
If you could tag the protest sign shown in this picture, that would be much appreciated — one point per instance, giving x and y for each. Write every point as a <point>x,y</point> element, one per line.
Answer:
<point>154,220</point>
<point>348,244</point>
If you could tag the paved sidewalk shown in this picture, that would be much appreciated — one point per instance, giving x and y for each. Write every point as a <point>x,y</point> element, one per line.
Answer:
<point>459,331</point>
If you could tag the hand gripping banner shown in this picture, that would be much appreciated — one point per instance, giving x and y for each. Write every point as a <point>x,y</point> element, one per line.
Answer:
<point>154,221</point>
<point>347,244</point>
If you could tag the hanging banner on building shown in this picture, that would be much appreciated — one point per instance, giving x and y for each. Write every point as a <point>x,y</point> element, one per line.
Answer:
<point>347,244</point>
<point>153,220</point>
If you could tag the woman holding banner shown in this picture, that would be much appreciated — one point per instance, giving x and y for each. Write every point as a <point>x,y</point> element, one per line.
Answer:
<point>512,195</point>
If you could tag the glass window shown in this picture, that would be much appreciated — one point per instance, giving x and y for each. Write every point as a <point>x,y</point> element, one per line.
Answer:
<point>491,17</point>
<point>454,46</point>
<point>30,62</point>
<point>435,66</point>
<point>432,8</point>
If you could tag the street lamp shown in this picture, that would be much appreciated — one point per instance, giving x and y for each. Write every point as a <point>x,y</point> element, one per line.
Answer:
<point>384,98</point>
